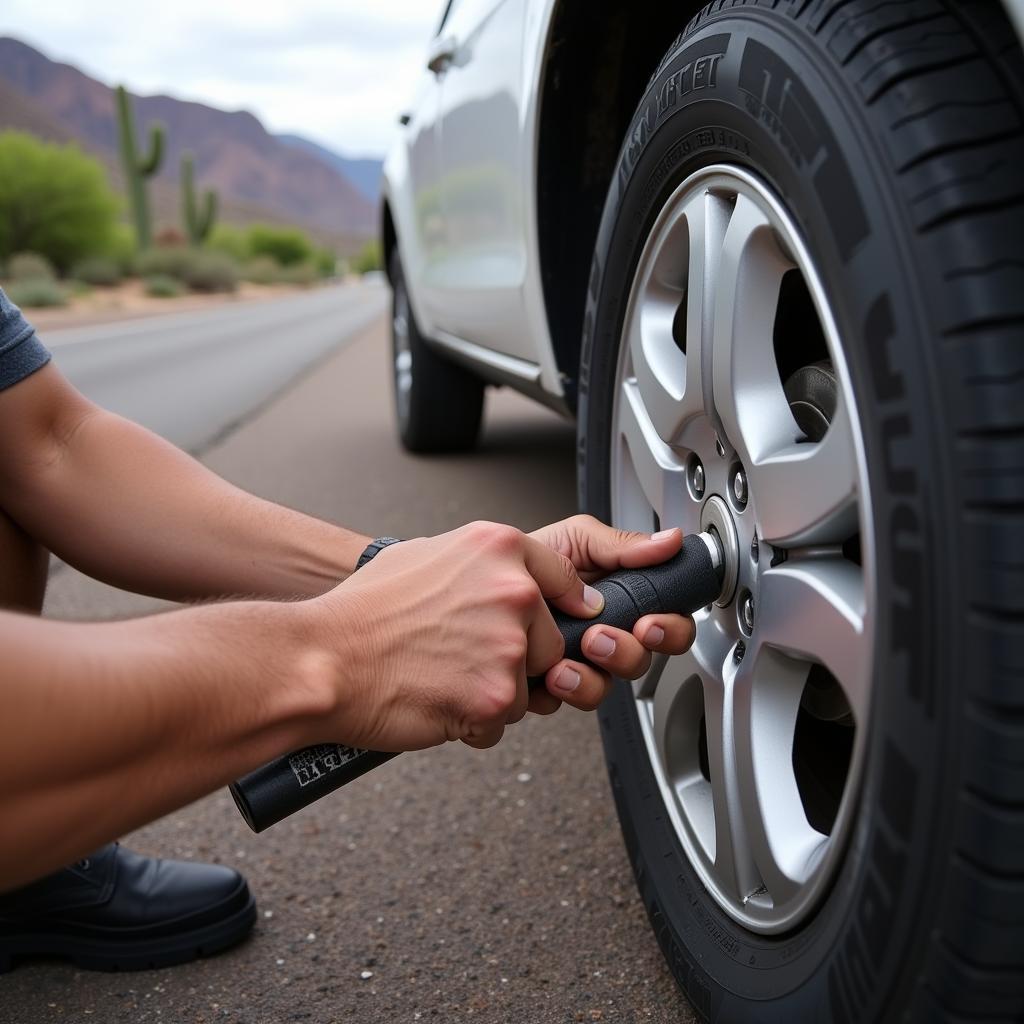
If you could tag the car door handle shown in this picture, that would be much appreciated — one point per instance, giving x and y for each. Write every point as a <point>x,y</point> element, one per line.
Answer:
<point>442,53</point>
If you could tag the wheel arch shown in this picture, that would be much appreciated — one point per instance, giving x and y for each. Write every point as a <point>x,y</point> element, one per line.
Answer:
<point>388,237</point>
<point>598,60</point>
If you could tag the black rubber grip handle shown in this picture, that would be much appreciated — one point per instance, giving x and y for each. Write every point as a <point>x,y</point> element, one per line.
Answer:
<point>681,585</point>
<point>686,582</point>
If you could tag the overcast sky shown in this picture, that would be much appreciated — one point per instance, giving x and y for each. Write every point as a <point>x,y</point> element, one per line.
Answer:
<point>338,71</point>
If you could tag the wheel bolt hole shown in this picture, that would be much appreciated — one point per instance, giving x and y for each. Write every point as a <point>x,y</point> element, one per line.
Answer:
<point>737,487</point>
<point>745,612</point>
<point>696,477</point>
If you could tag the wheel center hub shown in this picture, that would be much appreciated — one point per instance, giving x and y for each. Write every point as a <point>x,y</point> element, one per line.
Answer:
<point>716,518</point>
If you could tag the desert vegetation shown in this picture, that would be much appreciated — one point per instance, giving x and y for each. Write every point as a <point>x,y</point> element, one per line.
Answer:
<point>63,231</point>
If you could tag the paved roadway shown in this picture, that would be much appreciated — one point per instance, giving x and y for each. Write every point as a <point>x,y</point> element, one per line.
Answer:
<point>190,376</point>
<point>451,884</point>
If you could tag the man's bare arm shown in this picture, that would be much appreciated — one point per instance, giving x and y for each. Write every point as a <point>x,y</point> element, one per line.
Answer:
<point>124,506</point>
<point>104,727</point>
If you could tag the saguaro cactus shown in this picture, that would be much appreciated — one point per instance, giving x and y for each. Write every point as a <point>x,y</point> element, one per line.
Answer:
<point>136,170</point>
<point>197,224</point>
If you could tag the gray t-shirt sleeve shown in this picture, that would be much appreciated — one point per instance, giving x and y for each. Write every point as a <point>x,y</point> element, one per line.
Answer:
<point>21,352</point>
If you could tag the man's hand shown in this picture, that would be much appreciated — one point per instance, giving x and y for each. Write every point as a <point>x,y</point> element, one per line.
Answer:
<point>596,550</point>
<point>438,636</point>
<point>432,641</point>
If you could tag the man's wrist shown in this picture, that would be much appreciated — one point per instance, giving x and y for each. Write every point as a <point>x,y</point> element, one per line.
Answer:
<point>330,653</point>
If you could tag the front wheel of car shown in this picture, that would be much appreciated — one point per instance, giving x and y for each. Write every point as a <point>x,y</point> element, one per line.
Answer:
<point>438,405</point>
<point>804,330</point>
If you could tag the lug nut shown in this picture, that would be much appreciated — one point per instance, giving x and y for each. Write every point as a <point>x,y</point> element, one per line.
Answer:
<point>739,488</point>
<point>747,612</point>
<point>698,480</point>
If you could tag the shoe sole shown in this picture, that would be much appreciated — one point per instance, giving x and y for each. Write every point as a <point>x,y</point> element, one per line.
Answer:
<point>130,953</point>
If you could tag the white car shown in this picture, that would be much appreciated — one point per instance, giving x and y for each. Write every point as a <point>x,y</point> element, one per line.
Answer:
<point>774,267</point>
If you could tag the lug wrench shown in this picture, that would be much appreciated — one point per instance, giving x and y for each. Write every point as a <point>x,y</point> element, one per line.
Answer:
<point>689,580</point>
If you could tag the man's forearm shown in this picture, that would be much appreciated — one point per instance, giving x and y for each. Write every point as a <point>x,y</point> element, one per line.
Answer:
<point>126,507</point>
<point>142,717</point>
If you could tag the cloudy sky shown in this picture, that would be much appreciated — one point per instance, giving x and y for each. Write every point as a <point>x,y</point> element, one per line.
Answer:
<point>338,71</point>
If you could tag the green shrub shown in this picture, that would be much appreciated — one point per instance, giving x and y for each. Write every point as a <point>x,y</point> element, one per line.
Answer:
<point>54,200</point>
<point>230,239</point>
<point>121,249</point>
<point>161,286</point>
<point>303,274</point>
<point>171,260</point>
<point>286,245</point>
<point>211,272</point>
<point>100,271</point>
<point>326,263</point>
<point>370,258</point>
<point>262,270</point>
<point>30,266</point>
<point>38,292</point>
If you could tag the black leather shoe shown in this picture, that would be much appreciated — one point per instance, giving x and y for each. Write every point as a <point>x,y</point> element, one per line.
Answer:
<point>116,910</point>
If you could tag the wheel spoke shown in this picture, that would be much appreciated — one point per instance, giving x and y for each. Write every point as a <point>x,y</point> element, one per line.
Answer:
<point>823,474</point>
<point>813,609</point>
<point>670,381</point>
<point>659,471</point>
<point>749,399</point>
<point>766,689</point>
<point>734,865</point>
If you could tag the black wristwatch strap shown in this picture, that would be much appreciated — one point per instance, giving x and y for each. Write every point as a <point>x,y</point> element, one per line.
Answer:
<point>373,548</point>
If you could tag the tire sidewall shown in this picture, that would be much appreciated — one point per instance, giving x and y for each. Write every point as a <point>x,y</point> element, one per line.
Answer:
<point>870,927</point>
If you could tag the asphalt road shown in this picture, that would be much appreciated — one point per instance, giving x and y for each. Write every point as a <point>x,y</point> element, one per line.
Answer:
<point>190,376</point>
<point>450,884</point>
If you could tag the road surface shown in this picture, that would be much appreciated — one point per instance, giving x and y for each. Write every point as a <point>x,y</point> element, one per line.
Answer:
<point>190,376</point>
<point>450,884</point>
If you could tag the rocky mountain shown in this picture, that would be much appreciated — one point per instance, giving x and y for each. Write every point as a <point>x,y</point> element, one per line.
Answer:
<point>258,175</point>
<point>363,172</point>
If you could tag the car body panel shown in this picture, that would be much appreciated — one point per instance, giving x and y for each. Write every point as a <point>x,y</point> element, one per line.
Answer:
<point>471,253</point>
<point>462,186</point>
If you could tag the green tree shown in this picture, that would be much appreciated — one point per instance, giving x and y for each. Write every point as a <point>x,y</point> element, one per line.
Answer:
<point>286,245</point>
<point>54,200</point>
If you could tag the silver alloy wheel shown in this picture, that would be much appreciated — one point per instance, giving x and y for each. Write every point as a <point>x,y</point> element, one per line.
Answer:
<point>402,352</point>
<point>699,386</point>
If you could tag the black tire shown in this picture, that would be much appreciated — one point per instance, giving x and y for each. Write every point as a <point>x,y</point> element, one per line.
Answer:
<point>900,155</point>
<point>442,408</point>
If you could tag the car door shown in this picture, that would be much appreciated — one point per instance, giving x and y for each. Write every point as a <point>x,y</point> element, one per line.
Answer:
<point>477,59</point>
<point>414,169</point>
